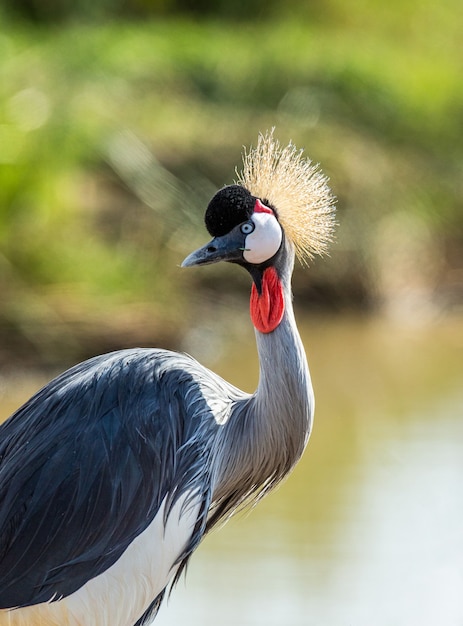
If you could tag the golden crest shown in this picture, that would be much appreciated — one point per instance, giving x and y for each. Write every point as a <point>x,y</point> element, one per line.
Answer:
<point>296,188</point>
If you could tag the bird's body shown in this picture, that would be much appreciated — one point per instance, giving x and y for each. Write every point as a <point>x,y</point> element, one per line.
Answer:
<point>111,474</point>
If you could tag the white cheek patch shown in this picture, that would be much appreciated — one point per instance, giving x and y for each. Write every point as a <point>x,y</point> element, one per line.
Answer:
<point>265,239</point>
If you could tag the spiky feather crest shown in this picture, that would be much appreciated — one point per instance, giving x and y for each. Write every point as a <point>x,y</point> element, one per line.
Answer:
<point>296,188</point>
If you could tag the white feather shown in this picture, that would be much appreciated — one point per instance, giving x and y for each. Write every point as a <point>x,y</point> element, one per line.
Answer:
<point>121,594</point>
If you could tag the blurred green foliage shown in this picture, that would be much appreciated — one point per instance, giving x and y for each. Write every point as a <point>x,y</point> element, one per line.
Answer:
<point>62,10</point>
<point>114,133</point>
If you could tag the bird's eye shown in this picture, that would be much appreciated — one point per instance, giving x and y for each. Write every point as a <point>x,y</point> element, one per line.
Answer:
<point>247,227</point>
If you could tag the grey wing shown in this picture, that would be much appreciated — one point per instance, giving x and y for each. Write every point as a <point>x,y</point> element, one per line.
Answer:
<point>85,466</point>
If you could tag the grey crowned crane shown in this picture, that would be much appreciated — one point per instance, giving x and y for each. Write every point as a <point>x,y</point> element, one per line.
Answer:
<point>111,475</point>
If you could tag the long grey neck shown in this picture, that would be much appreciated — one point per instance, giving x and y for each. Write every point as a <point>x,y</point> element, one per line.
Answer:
<point>266,432</point>
<point>284,402</point>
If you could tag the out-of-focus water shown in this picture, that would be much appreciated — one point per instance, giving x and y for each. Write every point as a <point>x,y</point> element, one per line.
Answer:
<point>368,530</point>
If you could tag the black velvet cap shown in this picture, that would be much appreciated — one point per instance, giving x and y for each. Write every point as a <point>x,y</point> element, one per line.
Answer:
<point>230,206</point>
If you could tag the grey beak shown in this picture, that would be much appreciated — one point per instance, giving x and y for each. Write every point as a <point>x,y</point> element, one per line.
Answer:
<point>227,248</point>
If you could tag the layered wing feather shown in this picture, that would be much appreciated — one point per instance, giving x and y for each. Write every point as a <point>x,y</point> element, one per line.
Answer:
<point>87,462</point>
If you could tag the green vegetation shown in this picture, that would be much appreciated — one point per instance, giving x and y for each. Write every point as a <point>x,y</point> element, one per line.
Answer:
<point>113,134</point>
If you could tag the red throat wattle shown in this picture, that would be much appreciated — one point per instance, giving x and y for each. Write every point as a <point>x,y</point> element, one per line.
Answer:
<point>267,308</point>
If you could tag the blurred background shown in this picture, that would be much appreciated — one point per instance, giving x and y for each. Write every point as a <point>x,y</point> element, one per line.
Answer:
<point>118,121</point>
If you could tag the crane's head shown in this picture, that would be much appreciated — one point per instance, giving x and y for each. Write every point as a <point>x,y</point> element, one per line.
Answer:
<point>245,230</point>
<point>281,202</point>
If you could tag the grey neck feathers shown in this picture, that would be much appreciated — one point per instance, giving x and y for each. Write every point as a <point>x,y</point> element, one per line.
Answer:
<point>266,432</point>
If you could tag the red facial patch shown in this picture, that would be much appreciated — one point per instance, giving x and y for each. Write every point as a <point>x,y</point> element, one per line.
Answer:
<point>261,208</point>
<point>267,309</point>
